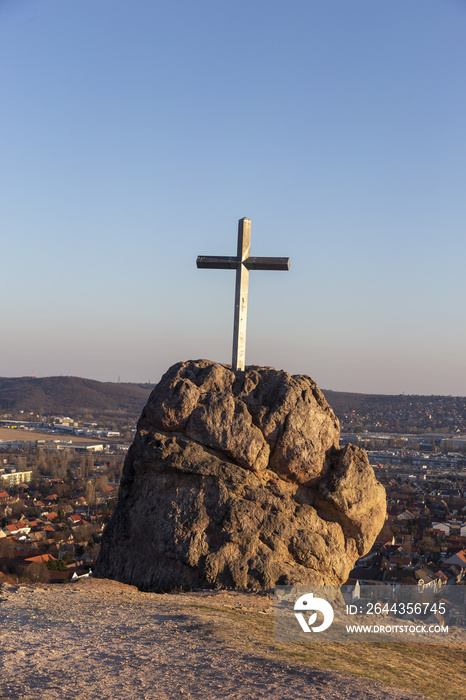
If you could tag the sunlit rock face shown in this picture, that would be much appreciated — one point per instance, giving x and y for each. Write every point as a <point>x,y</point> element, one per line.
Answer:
<point>236,479</point>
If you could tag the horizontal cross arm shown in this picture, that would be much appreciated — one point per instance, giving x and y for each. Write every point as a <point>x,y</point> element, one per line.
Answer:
<point>267,263</point>
<point>220,262</point>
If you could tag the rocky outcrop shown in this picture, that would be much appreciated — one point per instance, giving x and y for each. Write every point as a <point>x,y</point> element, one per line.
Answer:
<point>236,479</point>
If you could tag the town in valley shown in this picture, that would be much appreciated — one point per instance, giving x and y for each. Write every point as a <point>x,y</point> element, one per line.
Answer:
<point>59,478</point>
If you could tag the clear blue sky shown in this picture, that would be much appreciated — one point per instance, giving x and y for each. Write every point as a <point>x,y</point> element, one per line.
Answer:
<point>135,133</point>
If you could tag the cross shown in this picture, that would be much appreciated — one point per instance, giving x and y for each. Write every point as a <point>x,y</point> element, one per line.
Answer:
<point>242,263</point>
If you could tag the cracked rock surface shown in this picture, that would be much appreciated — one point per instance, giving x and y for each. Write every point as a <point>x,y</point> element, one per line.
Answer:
<point>236,480</point>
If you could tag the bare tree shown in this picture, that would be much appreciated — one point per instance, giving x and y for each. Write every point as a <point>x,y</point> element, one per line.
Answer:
<point>90,495</point>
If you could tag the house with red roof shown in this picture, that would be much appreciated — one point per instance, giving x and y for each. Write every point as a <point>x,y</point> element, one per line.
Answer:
<point>41,558</point>
<point>458,559</point>
<point>16,529</point>
<point>50,516</point>
<point>75,520</point>
<point>406,515</point>
<point>441,577</point>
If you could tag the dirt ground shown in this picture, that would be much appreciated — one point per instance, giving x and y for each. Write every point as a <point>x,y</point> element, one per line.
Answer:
<point>102,639</point>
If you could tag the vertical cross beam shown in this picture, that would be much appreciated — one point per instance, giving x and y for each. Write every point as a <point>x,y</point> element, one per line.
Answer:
<point>241,295</point>
<point>242,263</point>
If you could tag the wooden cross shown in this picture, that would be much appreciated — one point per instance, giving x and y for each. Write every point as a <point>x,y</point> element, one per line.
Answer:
<point>242,263</point>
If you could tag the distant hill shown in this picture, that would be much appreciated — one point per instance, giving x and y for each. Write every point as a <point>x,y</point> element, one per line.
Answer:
<point>401,413</point>
<point>90,399</point>
<point>72,396</point>
<point>75,396</point>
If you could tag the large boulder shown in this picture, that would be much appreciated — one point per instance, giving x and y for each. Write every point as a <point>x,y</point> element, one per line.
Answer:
<point>236,479</point>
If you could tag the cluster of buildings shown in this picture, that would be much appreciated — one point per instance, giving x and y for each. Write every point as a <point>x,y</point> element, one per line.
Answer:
<point>402,413</point>
<point>44,537</point>
<point>61,433</point>
<point>423,542</point>
<point>62,425</point>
